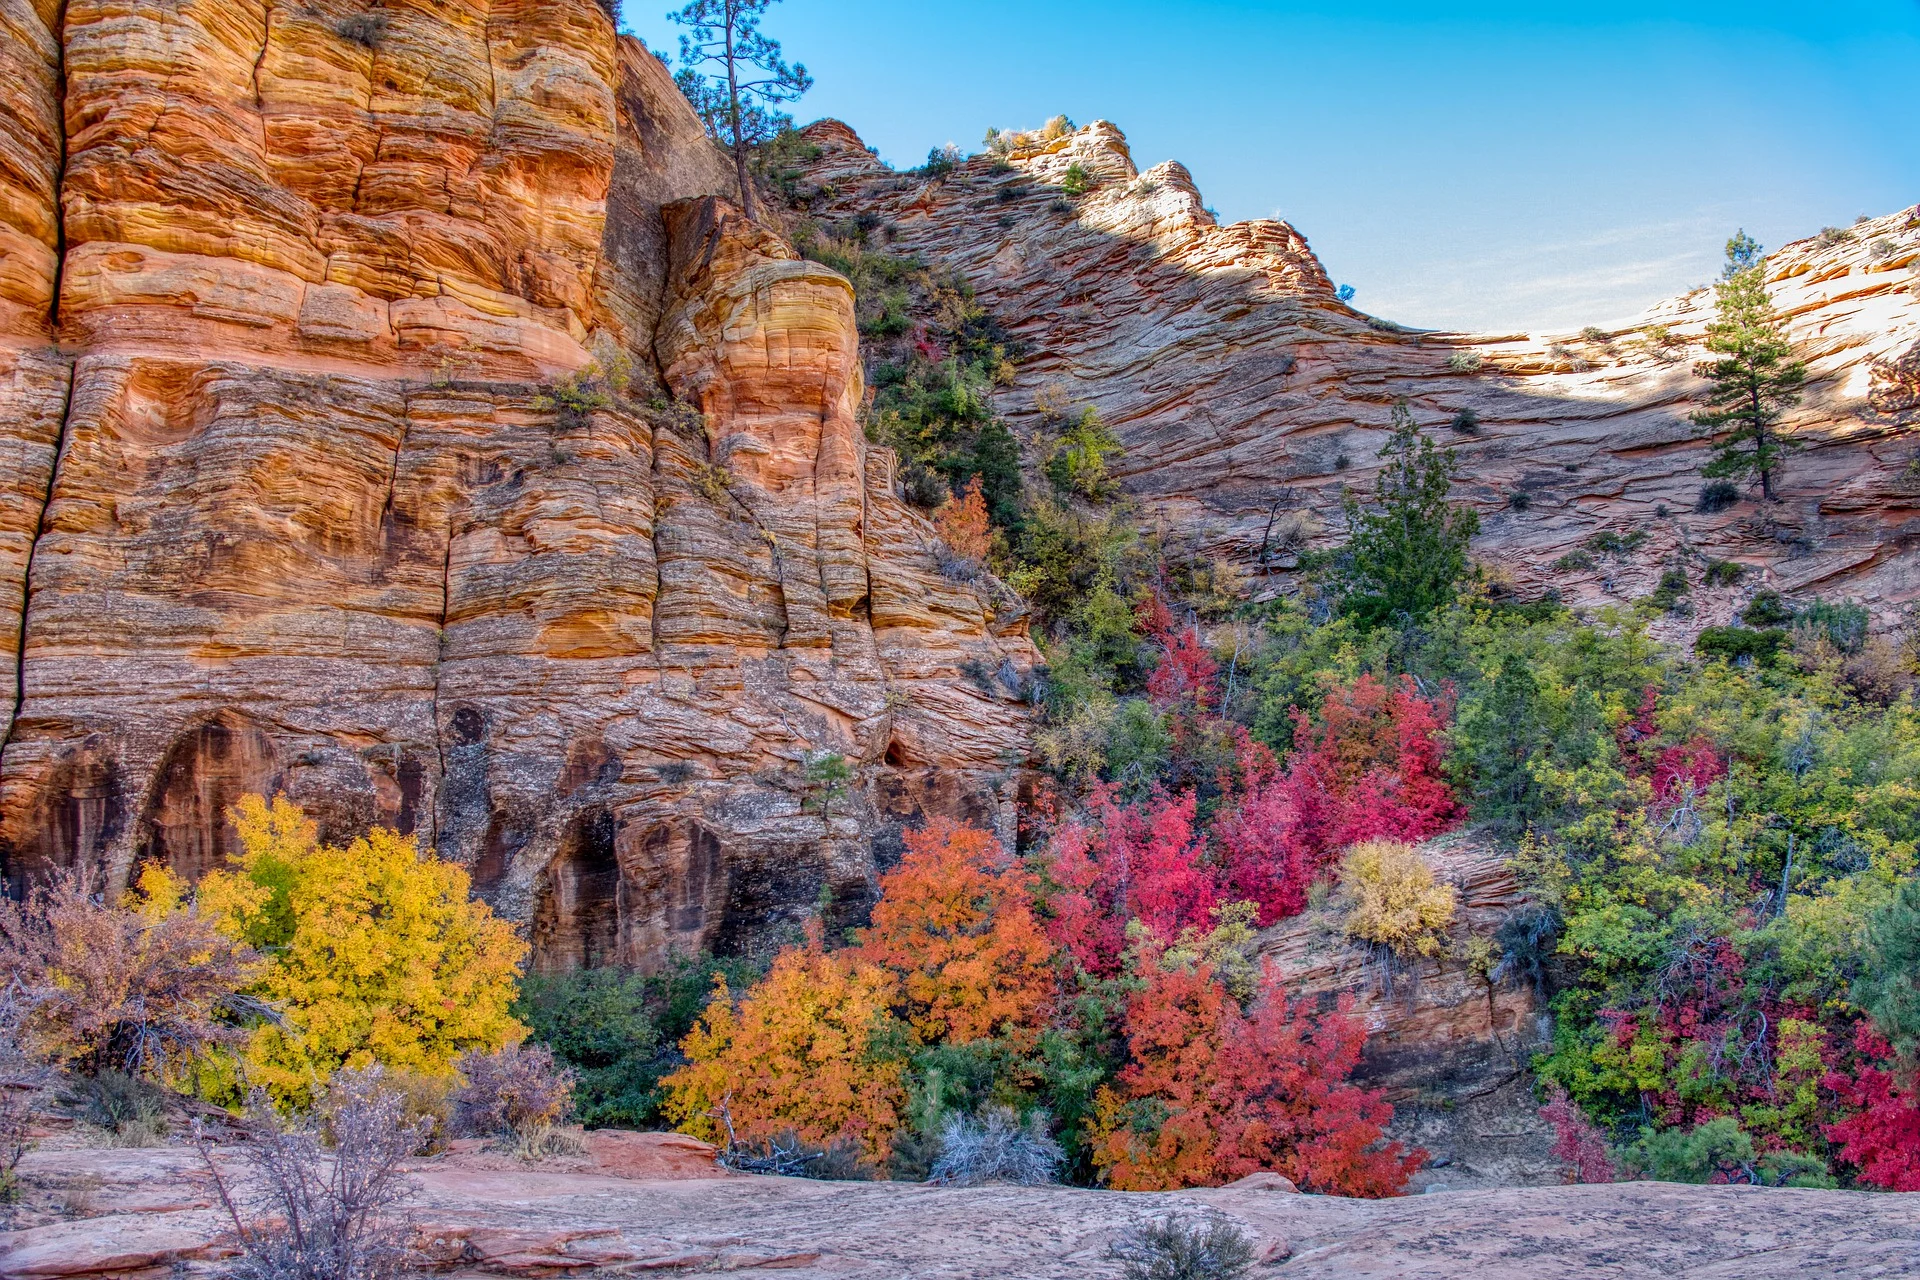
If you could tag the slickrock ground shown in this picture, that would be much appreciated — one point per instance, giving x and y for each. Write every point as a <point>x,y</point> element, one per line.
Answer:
<point>1244,391</point>
<point>282,505</point>
<point>151,1215</point>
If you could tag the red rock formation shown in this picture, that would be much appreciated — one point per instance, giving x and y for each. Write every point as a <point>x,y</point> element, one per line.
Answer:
<point>1243,389</point>
<point>317,525</point>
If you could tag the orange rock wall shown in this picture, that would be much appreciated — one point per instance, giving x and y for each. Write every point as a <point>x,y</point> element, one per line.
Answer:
<point>314,525</point>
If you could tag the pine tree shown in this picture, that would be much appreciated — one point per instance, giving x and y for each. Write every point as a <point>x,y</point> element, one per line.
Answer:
<point>740,112</point>
<point>1890,988</point>
<point>1755,379</point>
<point>1503,734</point>
<point>1406,556</point>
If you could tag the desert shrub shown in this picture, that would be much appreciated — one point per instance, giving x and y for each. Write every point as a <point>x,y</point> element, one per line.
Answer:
<point>379,953</point>
<point>142,988</point>
<point>1526,939</point>
<point>516,1093</point>
<point>1466,361</point>
<point>1519,500</point>
<point>1465,421</point>
<point>1176,1248</point>
<point>1831,236</point>
<point>997,1147</point>
<point>575,398</point>
<point>1574,562</point>
<point>1057,127</point>
<point>1740,644</point>
<point>1390,899</point>
<point>128,1110</point>
<point>1717,495</point>
<point>324,1199</point>
<point>1595,334</point>
<point>368,30</point>
<point>1077,181</point>
<point>1723,573</point>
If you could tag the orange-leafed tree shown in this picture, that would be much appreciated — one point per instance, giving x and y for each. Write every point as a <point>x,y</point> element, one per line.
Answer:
<point>963,526</point>
<point>813,1049</point>
<point>1156,1130</point>
<point>1212,1093</point>
<point>956,922</point>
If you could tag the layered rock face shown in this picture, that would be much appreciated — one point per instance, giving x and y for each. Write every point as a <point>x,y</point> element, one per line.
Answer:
<point>1244,391</point>
<point>323,489</point>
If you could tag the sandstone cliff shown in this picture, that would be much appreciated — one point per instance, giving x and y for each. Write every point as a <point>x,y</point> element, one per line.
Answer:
<point>1243,390</point>
<point>288,503</point>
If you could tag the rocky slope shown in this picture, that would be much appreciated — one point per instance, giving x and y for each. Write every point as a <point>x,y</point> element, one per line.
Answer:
<point>1244,391</point>
<point>286,501</point>
<point>636,1206</point>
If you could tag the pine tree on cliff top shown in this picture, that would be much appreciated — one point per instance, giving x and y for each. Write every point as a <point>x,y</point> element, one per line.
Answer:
<point>1755,379</point>
<point>740,111</point>
<point>1408,554</point>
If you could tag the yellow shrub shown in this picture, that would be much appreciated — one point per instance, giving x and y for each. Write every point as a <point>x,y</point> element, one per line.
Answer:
<point>1391,899</point>
<point>379,953</point>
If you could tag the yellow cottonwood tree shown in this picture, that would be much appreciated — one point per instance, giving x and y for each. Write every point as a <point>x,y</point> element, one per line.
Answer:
<point>377,953</point>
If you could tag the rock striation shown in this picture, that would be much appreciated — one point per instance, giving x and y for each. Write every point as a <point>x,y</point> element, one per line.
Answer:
<point>1245,391</point>
<point>313,479</point>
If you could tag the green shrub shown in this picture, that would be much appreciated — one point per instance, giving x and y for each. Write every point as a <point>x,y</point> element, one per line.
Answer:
<point>1610,543</point>
<point>1466,422</point>
<point>1077,181</point>
<point>1767,609</point>
<point>1079,462</point>
<point>1519,500</point>
<point>1574,562</point>
<point>1723,573</point>
<point>1737,644</point>
<point>1843,625</point>
<point>1466,361</point>
<point>1673,587</point>
<point>1717,495</point>
<point>619,1031</point>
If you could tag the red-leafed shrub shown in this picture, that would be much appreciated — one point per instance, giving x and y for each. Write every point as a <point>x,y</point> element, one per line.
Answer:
<point>1883,1136</point>
<point>1367,769</point>
<point>1686,770</point>
<point>1185,677</point>
<point>1140,862</point>
<point>1577,1142</point>
<point>1211,1094</point>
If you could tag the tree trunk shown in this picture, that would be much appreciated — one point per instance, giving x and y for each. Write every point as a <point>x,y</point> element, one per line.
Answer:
<point>733,115</point>
<point>1760,444</point>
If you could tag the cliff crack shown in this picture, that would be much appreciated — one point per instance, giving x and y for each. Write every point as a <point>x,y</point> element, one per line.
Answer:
<point>60,178</point>
<point>439,664</point>
<point>259,102</point>
<point>26,576</point>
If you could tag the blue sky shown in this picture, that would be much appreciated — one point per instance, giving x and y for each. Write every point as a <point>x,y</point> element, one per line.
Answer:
<point>1484,166</point>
